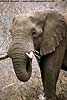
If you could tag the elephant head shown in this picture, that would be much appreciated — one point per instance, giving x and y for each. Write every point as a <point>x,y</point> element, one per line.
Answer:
<point>23,29</point>
<point>40,31</point>
<point>22,47</point>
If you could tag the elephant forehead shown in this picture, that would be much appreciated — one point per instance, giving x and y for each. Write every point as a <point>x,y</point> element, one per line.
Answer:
<point>29,18</point>
<point>22,20</point>
<point>21,24</point>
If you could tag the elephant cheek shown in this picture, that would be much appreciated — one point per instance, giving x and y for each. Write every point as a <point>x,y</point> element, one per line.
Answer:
<point>37,42</point>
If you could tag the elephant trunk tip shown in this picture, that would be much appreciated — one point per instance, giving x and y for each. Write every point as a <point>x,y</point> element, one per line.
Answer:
<point>24,78</point>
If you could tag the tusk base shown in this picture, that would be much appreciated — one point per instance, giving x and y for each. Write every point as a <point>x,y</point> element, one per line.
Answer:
<point>30,55</point>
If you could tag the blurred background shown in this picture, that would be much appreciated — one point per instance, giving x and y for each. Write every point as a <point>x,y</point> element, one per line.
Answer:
<point>10,87</point>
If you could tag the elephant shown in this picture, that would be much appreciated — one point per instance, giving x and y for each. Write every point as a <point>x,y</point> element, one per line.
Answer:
<point>42,34</point>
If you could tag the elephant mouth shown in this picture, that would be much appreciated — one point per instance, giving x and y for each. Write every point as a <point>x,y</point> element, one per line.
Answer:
<point>29,57</point>
<point>28,63</point>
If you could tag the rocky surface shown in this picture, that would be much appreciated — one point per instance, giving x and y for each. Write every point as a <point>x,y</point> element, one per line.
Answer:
<point>10,87</point>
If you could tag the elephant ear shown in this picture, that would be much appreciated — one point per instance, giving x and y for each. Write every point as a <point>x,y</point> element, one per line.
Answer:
<point>54,33</point>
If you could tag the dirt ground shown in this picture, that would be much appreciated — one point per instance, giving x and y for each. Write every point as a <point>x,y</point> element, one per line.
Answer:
<point>10,87</point>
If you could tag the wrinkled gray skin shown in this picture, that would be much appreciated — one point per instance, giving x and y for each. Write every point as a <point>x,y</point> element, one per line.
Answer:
<point>45,32</point>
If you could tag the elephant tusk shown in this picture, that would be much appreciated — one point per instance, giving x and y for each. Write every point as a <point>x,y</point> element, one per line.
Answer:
<point>30,55</point>
<point>4,56</point>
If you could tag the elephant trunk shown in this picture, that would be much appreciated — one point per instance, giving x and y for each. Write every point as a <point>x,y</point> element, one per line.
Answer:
<point>22,67</point>
<point>21,62</point>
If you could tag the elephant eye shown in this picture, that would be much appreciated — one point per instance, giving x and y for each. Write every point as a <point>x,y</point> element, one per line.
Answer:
<point>33,33</point>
